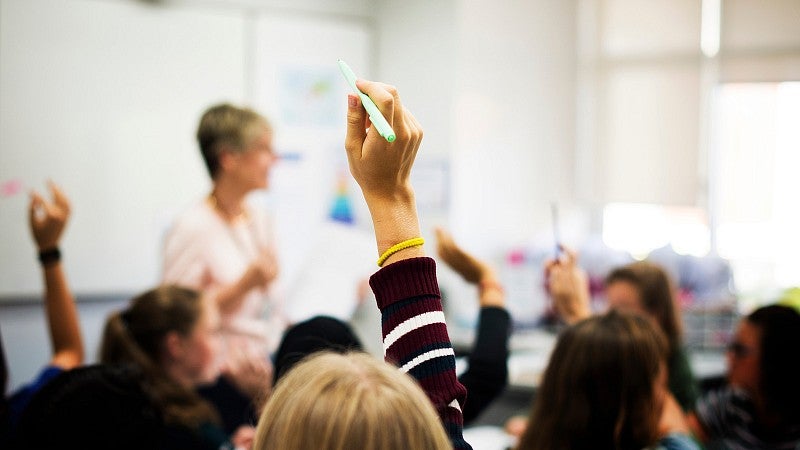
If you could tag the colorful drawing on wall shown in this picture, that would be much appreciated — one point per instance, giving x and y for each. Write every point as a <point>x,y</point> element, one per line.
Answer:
<point>342,209</point>
<point>310,97</point>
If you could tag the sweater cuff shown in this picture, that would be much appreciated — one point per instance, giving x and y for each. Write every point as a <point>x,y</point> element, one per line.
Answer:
<point>491,342</point>
<point>413,277</point>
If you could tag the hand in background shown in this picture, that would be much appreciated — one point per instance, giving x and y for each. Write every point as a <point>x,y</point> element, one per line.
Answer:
<point>568,286</point>
<point>48,219</point>
<point>47,222</point>
<point>243,437</point>
<point>473,270</point>
<point>262,271</point>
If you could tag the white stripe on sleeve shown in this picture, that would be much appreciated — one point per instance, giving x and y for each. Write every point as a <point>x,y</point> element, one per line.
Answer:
<point>410,325</point>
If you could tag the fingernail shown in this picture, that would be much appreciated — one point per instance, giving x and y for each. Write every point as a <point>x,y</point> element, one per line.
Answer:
<point>352,101</point>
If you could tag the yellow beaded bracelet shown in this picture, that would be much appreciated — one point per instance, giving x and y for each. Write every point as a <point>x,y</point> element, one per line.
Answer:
<point>397,247</point>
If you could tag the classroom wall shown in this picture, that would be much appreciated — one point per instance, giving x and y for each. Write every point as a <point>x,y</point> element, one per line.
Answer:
<point>103,97</point>
<point>493,87</point>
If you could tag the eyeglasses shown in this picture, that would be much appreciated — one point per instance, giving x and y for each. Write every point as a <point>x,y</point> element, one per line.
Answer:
<point>739,350</point>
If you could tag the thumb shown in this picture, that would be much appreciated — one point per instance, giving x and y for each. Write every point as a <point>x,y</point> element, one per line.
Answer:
<point>356,131</point>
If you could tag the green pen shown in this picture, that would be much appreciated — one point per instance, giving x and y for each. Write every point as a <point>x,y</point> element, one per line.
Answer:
<point>375,116</point>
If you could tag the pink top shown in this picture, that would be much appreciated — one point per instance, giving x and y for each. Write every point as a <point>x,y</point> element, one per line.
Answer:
<point>204,252</point>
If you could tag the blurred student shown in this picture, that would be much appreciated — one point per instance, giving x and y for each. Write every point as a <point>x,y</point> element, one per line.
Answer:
<point>95,407</point>
<point>319,333</point>
<point>352,401</point>
<point>169,334</point>
<point>47,220</point>
<point>640,287</point>
<point>760,407</point>
<point>486,375</point>
<point>605,387</point>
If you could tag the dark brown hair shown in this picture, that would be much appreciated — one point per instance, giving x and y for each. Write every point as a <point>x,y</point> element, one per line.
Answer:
<point>598,390</point>
<point>780,365</point>
<point>656,293</point>
<point>135,337</point>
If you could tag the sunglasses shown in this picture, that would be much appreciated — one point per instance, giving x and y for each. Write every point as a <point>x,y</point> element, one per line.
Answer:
<point>739,350</point>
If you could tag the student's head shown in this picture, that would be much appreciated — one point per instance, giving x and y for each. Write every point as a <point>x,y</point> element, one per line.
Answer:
<point>762,358</point>
<point>333,401</point>
<point>171,327</point>
<point>645,288</point>
<point>604,386</point>
<point>170,334</point>
<point>311,336</point>
<point>92,407</point>
<point>237,143</point>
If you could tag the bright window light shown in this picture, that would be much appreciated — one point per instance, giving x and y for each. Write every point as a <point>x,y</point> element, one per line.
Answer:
<point>640,228</point>
<point>758,160</point>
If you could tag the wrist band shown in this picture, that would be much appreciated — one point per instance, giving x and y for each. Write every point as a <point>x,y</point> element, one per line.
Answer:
<point>414,242</point>
<point>49,256</point>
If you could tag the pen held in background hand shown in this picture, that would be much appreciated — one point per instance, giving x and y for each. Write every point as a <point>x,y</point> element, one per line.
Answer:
<point>556,237</point>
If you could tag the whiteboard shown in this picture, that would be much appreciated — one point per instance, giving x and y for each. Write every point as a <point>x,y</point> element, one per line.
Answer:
<point>104,98</point>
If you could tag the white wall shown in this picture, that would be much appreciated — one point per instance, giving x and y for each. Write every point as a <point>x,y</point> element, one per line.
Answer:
<point>515,116</point>
<point>494,87</point>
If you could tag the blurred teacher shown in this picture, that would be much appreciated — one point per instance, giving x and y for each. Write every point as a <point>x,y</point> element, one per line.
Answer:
<point>224,247</point>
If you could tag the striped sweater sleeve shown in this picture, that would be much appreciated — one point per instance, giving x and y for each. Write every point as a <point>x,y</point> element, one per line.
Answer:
<point>415,337</point>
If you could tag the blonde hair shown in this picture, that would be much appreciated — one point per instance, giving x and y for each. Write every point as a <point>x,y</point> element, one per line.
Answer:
<point>335,401</point>
<point>229,126</point>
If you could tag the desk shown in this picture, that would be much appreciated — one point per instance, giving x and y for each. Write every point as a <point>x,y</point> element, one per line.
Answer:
<point>530,352</point>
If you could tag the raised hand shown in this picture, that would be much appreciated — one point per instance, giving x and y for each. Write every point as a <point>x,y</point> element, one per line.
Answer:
<point>48,218</point>
<point>568,286</point>
<point>470,268</point>
<point>382,169</point>
<point>473,270</point>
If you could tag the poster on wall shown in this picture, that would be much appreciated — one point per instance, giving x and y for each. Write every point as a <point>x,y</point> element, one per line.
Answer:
<point>309,96</point>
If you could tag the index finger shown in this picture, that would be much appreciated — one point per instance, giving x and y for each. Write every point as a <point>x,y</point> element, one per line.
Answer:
<point>385,97</point>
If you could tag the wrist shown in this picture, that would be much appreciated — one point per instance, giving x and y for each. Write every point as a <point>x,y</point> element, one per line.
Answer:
<point>394,223</point>
<point>409,248</point>
<point>49,256</point>
<point>491,293</point>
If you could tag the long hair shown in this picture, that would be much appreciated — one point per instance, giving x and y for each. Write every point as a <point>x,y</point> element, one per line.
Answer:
<point>333,401</point>
<point>658,299</point>
<point>135,337</point>
<point>598,390</point>
<point>780,365</point>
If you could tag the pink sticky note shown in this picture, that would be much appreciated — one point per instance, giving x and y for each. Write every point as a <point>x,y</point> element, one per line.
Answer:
<point>10,187</point>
